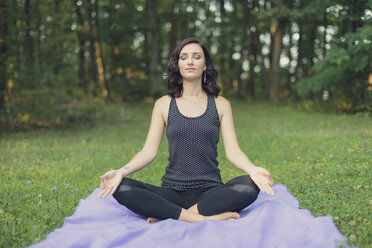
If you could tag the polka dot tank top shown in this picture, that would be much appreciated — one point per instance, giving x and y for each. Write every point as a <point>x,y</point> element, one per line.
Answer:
<point>192,142</point>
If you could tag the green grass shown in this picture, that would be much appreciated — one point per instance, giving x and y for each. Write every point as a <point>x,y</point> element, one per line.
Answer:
<point>323,159</point>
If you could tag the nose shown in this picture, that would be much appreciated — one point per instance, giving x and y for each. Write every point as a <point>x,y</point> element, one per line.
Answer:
<point>189,61</point>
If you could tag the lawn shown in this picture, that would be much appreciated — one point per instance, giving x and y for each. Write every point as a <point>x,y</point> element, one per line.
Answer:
<point>323,159</point>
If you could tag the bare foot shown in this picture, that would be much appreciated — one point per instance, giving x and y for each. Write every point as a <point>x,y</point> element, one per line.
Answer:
<point>153,220</point>
<point>224,216</point>
<point>189,216</point>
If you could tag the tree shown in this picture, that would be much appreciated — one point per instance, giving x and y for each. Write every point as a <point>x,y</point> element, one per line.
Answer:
<point>81,40</point>
<point>344,73</point>
<point>99,53</point>
<point>280,20</point>
<point>92,49</point>
<point>29,48</point>
<point>3,50</point>
<point>155,46</point>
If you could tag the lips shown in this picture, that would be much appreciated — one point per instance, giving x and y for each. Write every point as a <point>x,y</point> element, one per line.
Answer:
<point>190,69</point>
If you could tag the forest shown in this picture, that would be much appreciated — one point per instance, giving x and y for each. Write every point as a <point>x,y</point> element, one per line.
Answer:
<point>58,59</point>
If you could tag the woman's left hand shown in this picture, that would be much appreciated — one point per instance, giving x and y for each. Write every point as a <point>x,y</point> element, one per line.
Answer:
<point>261,177</point>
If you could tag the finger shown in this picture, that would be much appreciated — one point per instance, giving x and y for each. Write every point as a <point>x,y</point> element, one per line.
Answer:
<point>104,193</point>
<point>272,193</point>
<point>265,188</point>
<point>102,185</point>
<point>269,190</point>
<point>100,193</point>
<point>113,190</point>
<point>107,192</point>
<point>271,181</point>
<point>102,179</point>
<point>261,187</point>
<point>266,172</point>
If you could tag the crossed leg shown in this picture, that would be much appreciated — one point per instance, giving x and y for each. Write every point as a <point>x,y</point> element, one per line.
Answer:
<point>157,203</point>
<point>236,194</point>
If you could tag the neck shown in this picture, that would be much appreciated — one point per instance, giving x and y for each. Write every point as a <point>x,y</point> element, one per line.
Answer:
<point>192,88</point>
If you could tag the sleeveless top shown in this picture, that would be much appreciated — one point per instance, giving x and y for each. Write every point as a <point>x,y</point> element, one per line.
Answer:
<point>192,142</point>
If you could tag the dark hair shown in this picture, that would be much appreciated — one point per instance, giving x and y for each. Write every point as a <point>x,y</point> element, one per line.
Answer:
<point>173,77</point>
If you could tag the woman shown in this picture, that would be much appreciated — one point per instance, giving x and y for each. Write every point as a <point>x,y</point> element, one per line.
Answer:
<point>193,113</point>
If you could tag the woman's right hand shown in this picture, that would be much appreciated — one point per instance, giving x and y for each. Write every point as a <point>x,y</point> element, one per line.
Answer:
<point>110,182</point>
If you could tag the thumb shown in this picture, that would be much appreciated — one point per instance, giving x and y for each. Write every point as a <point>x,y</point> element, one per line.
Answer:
<point>271,181</point>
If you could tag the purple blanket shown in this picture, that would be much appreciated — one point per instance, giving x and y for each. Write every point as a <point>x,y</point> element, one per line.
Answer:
<point>269,222</point>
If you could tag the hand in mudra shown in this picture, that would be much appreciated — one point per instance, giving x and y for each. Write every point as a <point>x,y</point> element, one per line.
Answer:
<point>261,177</point>
<point>110,182</point>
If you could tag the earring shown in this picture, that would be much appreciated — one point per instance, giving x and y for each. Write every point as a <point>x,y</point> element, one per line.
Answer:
<point>205,77</point>
<point>180,82</point>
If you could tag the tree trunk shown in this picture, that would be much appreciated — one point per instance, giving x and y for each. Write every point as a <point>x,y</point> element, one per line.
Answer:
<point>155,46</point>
<point>252,56</point>
<point>261,59</point>
<point>117,68</point>
<point>99,59</point>
<point>222,46</point>
<point>229,74</point>
<point>209,34</point>
<point>28,40</point>
<point>252,50</point>
<point>288,81</point>
<point>298,74</point>
<point>82,78</point>
<point>277,34</point>
<point>325,23</point>
<point>3,48</point>
<point>311,45</point>
<point>173,31</point>
<point>55,47</point>
<point>92,51</point>
<point>38,39</point>
<point>146,43</point>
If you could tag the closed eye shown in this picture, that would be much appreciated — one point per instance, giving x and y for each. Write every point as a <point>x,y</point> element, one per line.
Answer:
<point>195,56</point>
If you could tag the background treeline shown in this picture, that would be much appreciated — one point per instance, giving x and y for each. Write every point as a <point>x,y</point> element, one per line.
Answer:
<point>60,60</point>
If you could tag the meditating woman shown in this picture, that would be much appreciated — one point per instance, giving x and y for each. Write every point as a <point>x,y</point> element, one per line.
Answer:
<point>192,113</point>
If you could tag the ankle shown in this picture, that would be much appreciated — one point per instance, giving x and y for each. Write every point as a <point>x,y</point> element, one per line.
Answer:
<point>189,216</point>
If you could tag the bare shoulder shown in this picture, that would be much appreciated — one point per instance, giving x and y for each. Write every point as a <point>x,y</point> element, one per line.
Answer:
<point>163,102</point>
<point>162,105</point>
<point>223,105</point>
<point>222,101</point>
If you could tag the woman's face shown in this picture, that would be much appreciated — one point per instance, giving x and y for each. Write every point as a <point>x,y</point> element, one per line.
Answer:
<point>191,61</point>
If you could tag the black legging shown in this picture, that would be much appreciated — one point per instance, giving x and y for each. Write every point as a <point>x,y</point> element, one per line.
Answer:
<point>163,203</point>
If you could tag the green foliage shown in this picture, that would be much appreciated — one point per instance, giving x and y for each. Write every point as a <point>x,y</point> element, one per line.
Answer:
<point>344,73</point>
<point>50,108</point>
<point>324,160</point>
<point>73,44</point>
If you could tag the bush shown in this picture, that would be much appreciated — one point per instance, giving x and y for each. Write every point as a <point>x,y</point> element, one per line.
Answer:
<point>344,73</point>
<point>48,108</point>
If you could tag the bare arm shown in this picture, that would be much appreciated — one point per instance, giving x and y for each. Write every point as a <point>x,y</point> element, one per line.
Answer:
<point>234,154</point>
<point>111,179</point>
<point>152,144</point>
